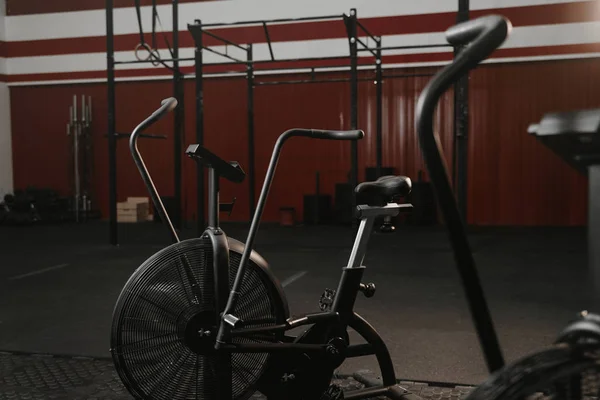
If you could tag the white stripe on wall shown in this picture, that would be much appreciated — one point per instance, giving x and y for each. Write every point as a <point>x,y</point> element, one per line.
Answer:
<point>93,23</point>
<point>305,70</point>
<point>536,36</point>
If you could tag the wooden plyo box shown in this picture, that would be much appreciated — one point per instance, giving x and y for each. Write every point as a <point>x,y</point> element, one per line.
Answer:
<point>135,209</point>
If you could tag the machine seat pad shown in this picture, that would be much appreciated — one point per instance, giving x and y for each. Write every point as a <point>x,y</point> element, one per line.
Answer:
<point>384,190</point>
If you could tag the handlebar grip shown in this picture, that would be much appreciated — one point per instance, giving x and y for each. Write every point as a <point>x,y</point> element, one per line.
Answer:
<point>484,35</point>
<point>336,135</point>
<point>166,106</point>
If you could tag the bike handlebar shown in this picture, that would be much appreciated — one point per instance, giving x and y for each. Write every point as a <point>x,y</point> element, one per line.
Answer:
<point>481,36</point>
<point>333,135</point>
<point>167,105</point>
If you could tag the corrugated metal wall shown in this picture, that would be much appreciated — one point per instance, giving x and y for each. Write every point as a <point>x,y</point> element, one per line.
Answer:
<point>513,180</point>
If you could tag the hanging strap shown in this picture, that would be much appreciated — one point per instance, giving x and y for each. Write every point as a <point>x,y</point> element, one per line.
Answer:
<point>154,18</point>
<point>152,51</point>
<point>142,44</point>
<point>138,11</point>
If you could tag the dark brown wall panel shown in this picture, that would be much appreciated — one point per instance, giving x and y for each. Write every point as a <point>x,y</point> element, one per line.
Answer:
<point>513,179</point>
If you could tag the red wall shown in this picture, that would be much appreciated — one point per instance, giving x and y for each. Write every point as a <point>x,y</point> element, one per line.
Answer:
<point>513,180</point>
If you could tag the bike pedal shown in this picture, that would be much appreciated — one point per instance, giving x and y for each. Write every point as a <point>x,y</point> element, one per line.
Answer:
<point>333,393</point>
<point>326,300</point>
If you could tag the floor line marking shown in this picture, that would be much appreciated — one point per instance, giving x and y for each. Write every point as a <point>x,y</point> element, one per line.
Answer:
<point>293,278</point>
<point>37,272</point>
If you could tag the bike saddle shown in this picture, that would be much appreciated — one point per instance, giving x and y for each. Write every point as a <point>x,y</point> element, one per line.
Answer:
<point>384,190</point>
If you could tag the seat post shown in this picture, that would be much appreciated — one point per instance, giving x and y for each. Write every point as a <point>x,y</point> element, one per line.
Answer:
<point>360,242</point>
<point>213,198</point>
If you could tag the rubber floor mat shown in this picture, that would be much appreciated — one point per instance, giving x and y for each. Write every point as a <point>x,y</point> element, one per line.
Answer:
<point>35,376</point>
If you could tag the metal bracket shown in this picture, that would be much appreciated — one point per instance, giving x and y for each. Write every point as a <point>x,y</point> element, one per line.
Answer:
<point>392,209</point>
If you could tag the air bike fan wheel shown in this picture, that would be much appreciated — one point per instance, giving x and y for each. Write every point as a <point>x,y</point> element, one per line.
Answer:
<point>163,334</point>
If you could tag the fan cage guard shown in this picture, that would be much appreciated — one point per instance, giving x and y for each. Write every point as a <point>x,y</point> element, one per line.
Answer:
<point>147,342</point>
<point>561,372</point>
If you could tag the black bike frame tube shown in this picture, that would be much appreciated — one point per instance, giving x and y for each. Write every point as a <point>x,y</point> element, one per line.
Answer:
<point>485,35</point>
<point>251,163</point>
<point>177,120</point>
<point>262,200</point>
<point>349,285</point>
<point>348,289</point>
<point>461,125</point>
<point>213,198</point>
<point>353,99</point>
<point>141,166</point>
<point>221,290</point>
<point>201,224</point>
<point>379,109</point>
<point>112,139</point>
<point>368,332</point>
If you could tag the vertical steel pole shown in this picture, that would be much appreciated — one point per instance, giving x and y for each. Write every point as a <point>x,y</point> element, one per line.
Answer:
<point>379,111</point>
<point>177,120</point>
<point>461,125</point>
<point>201,225</point>
<point>594,232</point>
<point>112,138</point>
<point>353,100</point>
<point>251,163</point>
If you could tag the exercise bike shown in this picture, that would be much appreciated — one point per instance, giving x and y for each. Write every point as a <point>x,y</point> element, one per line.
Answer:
<point>570,367</point>
<point>206,319</point>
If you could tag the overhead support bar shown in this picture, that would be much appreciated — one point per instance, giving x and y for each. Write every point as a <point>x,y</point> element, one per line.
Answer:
<point>223,55</point>
<point>365,30</point>
<point>291,82</point>
<point>274,21</point>
<point>149,61</point>
<point>222,39</point>
<point>421,46</point>
<point>407,75</point>
<point>268,37</point>
<point>373,51</point>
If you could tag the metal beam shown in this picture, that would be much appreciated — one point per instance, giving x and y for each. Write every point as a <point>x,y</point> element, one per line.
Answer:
<point>152,60</point>
<point>222,39</point>
<point>416,46</point>
<point>379,110</point>
<point>352,36</point>
<point>365,30</point>
<point>200,218</point>
<point>251,164</point>
<point>223,55</point>
<point>178,121</point>
<point>276,20</point>
<point>268,37</point>
<point>112,140</point>
<point>461,125</point>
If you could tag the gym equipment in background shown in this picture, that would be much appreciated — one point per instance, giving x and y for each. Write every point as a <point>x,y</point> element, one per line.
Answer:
<point>569,369</point>
<point>206,317</point>
<point>317,206</point>
<point>575,137</point>
<point>79,130</point>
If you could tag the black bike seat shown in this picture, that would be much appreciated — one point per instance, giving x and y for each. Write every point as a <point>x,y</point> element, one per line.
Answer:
<point>383,190</point>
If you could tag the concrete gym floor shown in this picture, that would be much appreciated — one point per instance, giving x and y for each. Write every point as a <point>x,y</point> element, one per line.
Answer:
<point>58,286</point>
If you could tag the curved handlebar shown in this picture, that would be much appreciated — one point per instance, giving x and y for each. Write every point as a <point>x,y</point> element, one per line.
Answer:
<point>336,135</point>
<point>167,105</point>
<point>481,36</point>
